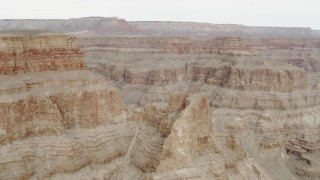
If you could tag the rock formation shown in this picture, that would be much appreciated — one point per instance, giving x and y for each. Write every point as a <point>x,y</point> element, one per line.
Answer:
<point>262,92</point>
<point>152,107</point>
<point>56,118</point>
<point>34,53</point>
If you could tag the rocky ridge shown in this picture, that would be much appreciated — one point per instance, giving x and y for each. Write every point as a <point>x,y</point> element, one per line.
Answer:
<point>97,26</point>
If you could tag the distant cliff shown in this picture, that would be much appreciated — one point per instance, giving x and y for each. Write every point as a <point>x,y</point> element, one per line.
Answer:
<point>115,26</point>
<point>35,51</point>
<point>202,29</point>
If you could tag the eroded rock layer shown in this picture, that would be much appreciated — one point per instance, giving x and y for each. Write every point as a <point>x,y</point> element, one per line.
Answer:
<point>263,96</point>
<point>23,52</point>
<point>188,108</point>
<point>58,121</point>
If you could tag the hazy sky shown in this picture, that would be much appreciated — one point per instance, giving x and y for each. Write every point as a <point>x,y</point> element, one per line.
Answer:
<point>292,13</point>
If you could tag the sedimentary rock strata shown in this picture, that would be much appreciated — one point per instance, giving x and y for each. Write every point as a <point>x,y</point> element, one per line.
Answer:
<point>40,52</point>
<point>158,107</point>
<point>263,95</point>
<point>56,121</point>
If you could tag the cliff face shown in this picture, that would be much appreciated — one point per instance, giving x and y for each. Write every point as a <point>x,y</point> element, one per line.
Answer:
<point>40,106</point>
<point>177,45</point>
<point>227,62</point>
<point>35,53</point>
<point>56,121</point>
<point>241,78</point>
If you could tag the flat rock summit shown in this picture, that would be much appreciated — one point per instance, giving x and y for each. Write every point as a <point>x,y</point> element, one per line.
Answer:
<point>106,98</point>
<point>96,26</point>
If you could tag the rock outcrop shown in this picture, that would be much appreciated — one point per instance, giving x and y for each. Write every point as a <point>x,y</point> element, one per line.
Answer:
<point>34,53</point>
<point>219,61</point>
<point>59,117</point>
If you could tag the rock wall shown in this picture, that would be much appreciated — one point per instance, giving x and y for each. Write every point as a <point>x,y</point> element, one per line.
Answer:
<point>228,62</point>
<point>180,45</point>
<point>242,78</point>
<point>59,121</point>
<point>35,53</point>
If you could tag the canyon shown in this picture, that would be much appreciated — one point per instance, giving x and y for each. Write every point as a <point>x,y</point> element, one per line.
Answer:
<point>158,100</point>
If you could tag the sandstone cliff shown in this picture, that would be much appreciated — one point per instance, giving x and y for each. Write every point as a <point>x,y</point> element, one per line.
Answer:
<point>227,62</point>
<point>26,52</point>
<point>56,121</point>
